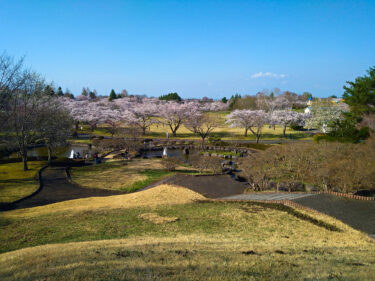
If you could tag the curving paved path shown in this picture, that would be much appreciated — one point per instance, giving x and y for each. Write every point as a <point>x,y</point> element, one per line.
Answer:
<point>57,188</point>
<point>358,214</point>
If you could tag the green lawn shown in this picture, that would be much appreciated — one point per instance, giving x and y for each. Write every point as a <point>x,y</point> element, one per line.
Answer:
<point>15,183</point>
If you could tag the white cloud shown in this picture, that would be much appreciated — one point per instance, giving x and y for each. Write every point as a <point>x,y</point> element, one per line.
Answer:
<point>267,74</point>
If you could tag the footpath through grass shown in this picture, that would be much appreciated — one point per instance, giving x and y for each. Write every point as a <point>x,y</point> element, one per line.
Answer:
<point>193,241</point>
<point>15,183</point>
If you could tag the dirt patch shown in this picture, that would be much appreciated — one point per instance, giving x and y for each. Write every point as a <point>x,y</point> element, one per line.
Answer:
<point>156,219</point>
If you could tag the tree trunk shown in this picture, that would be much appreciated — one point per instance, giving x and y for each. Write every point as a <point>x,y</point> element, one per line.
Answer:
<point>203,143</point>
<point>258,137</point>
<point>24,158</point>
<point>144,131</point>
<point>49,155</point>
<point>246,132</point>
<point>284,131</point>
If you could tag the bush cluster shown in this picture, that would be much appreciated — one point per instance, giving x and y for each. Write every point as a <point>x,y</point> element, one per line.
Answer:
<point>343,167</point>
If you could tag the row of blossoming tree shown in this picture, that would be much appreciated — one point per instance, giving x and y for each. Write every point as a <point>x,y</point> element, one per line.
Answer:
<point>143,112</point>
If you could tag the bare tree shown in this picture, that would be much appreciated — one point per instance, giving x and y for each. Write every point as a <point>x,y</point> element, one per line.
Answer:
<point>22,111</point>
<point>54,125</point>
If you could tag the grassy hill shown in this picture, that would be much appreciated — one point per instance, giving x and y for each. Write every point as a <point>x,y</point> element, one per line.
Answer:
<point>172,233</point>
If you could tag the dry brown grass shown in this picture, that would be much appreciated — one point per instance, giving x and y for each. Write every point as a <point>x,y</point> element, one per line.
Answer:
<point>160,195</point>
<point>117,176</point>
<point>156,219</point>
<point>114,175</point>
<point>193,257</point>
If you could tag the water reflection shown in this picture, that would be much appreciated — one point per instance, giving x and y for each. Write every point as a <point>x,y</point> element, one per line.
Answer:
<point>63,151</point>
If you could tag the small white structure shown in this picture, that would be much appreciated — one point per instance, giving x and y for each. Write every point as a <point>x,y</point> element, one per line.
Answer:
<point>165,153</point>
<point>71,154</point>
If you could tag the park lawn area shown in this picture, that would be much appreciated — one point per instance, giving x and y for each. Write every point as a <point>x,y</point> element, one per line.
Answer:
<point>114,175</point>
<point>172,233</point>
<point>15,183</point>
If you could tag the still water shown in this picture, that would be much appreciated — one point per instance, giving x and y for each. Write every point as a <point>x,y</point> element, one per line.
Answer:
<point>63,151</point>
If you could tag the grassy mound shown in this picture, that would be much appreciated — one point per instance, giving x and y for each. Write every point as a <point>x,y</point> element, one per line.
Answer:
<point>172,233</point>
<point>154,239</point>
<point>159,195</point>
<point>214,241</point>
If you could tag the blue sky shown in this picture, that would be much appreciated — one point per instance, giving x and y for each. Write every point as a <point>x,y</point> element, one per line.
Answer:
<point>195,48</point>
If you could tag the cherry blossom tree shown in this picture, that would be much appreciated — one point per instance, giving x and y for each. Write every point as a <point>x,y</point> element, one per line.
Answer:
<point>287,118</point>
<point>143,115</point>
<point>173,114</point>
<point>201,124</point>
<point>252,120</point>
<point>322,115</point>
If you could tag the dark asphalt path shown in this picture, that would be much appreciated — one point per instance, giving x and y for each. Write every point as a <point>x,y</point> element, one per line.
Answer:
<point>57,188</point>
<point>358,214</point>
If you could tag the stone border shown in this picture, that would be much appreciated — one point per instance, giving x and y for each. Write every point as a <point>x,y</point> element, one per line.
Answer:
<point>346,195</point>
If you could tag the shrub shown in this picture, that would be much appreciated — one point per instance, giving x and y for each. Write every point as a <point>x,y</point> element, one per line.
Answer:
<point>170,163</point>
<point>344,167</point>
<point>296,127</point>
<point>204,163</point>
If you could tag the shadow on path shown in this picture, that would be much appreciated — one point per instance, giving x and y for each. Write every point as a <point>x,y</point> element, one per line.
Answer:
<point>57,188</point>
<point>210,186</point>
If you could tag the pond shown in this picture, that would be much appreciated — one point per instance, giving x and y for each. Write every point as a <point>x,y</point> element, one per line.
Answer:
<point>63,151</point>
<point>177,153</point>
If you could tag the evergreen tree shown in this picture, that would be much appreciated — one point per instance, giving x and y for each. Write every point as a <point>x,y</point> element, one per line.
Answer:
<point>170,97</point>
<point>112,95</point>
<point>224,100</point>
<point>59,92</point>
<point>49,91</point>
<point>93,94</point>
<point>84,92</point>
<point>360,95</point>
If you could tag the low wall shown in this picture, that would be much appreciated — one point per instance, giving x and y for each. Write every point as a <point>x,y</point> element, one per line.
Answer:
<point>346,195</point>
